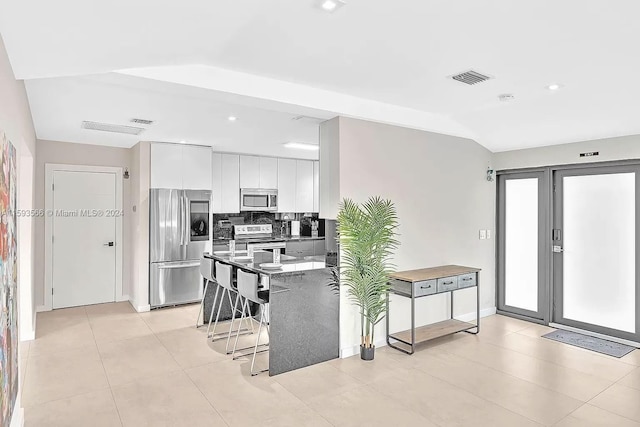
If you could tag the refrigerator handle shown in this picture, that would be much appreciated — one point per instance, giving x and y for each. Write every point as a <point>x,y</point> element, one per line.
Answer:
<point>181,219</point>
<point>187,222</point>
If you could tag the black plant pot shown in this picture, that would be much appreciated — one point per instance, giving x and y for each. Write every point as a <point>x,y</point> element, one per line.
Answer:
<point>367,353</point>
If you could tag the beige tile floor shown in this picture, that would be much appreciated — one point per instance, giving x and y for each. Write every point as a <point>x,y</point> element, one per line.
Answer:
<point>106,365</point>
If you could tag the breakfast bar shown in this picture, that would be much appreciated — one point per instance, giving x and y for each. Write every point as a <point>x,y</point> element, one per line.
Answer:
<point>303,310</point>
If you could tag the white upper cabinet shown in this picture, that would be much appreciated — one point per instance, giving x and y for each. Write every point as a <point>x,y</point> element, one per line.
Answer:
<point>268,172</point>
<point>196,168</point>
<point>249,172</point>
<point>258,172</point>
<point>180,166</point>
<point>166,166</point>
<point>316,186</point>
<point>304,186</point>
<point>286,185</point>
<point>226,183</point>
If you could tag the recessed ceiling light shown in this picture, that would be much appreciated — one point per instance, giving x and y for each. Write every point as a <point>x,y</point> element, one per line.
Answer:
<point>331,5</point>
<point>554,86</point>
<point>302,146</point>
<point>506,97</point>
<point>183,142</point>
<point>232,118</point>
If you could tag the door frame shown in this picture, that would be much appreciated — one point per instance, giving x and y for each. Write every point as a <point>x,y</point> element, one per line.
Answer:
<point>50,168</point>
<point>545,267</point>
<point>550,171</point>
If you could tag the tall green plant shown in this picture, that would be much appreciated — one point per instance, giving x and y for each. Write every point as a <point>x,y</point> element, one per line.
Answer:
<point>367,237</point>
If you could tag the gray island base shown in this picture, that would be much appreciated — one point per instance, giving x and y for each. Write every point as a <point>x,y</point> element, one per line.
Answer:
<point>304,310</point>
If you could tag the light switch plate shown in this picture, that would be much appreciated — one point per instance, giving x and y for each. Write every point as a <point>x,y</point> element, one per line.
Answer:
<point>483,234</point>
<point>488,234</point>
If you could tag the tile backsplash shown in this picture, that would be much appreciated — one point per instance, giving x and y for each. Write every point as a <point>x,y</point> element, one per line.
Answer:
<point>255,218</point>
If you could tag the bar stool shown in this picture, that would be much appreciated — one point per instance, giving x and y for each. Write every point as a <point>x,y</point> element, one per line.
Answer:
<point>223,279</point>
<point>248,289</point>
<point>206,271</point>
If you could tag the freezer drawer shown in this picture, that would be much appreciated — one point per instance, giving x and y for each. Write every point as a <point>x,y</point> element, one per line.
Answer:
<point>173,283</point>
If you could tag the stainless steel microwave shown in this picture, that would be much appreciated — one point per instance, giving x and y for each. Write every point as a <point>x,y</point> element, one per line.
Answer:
<point>258,199</point>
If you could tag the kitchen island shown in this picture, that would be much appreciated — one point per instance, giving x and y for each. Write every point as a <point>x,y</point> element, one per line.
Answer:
<point>304,309</point>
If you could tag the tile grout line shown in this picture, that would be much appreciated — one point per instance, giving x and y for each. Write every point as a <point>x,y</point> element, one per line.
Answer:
<point>529,381</point>
<point>188,377</point>
<point>496,403</point>
<point>553,361</point>
<point>113,397</point>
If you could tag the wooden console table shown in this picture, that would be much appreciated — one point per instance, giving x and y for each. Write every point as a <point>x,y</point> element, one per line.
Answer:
<point>425,282</point>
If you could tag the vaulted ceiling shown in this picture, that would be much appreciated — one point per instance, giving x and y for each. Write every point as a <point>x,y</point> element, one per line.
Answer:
<point>381,60</point>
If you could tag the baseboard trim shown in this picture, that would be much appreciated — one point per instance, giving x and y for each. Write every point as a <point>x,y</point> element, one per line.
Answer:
<point>17,419</point>
<point>30,336</point>
<point>140,308</point>
<point>41,308</point>
<point>467,317</point>
<point>122,298</point>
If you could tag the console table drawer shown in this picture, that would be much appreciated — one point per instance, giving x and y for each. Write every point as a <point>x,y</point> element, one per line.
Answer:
<point>447,284</point>
<point>426,287</point>
<point>467,280</point>
<point>420,289</point>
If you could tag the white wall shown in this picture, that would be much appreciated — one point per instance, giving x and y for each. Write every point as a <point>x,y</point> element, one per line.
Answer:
<point>139,238</point>
<point>438,184</point>
<point>16,122</point>
<point>620,148</point>
<point>80,154</point>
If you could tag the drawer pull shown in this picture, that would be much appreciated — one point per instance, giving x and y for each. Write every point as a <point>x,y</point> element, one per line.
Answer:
<point>425,287</point>
<point>447,283</point>
<point>466,279</point>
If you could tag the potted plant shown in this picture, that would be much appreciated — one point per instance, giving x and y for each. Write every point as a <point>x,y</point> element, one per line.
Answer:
<point>367,237</point>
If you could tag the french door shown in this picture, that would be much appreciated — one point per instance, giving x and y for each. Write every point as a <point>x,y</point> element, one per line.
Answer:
<point>523,202</point>
<point>595,258</point>
<point>567,247</point>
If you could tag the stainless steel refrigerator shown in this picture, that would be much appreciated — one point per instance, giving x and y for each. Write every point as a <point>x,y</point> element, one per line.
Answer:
<point>179,229</point>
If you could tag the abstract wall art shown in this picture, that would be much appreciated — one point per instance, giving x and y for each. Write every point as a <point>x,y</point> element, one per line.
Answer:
<point>8,282</point>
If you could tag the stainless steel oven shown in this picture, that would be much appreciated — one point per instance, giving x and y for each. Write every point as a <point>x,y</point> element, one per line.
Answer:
<point>258,199</point>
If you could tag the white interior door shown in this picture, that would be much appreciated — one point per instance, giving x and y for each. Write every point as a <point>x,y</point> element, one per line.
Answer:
<point>84,238</point>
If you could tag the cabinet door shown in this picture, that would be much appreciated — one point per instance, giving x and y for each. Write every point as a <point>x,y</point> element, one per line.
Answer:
<point>319,247</point>
<point>268,172</point>
<point>166,166</point>
<point>306,248</point>
<point>216,183</point>
<point>304,186</point>
<point>316,186</point>
<point>293,248</point>
<point>230,179</point>
<point>196,168</point>
<point>249,172</point>
<point>286,185</point>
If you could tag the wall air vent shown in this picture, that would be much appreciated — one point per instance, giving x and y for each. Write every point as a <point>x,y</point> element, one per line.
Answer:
<point>106,127</point>
<point>142,121</point>
<point>470,77</point>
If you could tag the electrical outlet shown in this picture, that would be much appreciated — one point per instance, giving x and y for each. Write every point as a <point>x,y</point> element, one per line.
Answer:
<point>483,234</point>
<point>488,234</point>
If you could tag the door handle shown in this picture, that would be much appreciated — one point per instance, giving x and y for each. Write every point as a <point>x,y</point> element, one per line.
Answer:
<point>109,244</point>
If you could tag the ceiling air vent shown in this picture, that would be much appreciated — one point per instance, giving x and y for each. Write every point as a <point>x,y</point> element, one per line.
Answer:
<point>470,77</point>
<point>142,121</point>
<point>106,127</point>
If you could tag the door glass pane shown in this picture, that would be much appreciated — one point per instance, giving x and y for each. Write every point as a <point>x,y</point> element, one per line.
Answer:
<point>521,243</point>
<point>599,250</point>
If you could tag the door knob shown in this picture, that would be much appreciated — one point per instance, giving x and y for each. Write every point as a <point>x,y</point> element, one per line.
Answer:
<point>109,244</point>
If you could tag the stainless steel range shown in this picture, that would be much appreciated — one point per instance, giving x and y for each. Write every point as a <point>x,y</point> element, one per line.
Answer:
<point>258,237</point>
